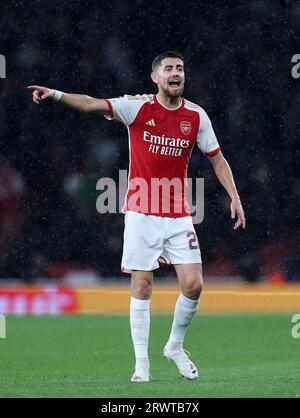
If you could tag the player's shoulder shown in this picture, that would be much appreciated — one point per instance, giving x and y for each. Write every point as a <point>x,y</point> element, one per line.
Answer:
<point>144,98</point>
<point>193,106</point>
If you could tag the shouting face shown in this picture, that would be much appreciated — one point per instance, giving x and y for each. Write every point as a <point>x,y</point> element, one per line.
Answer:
<point>169,76</point>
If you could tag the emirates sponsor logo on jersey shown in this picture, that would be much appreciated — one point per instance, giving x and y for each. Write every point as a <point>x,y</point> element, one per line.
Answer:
<point>166,141</point>
<point>185,127</point>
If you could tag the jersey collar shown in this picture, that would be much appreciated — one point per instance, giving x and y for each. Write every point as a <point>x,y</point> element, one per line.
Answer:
<point>167,108</point>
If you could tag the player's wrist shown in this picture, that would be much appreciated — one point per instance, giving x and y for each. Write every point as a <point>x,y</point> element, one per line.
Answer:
<point>235,198</point>
<point>56,95</point>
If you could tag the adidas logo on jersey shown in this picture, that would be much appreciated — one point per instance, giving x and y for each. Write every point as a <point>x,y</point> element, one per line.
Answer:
<point>150,122</point>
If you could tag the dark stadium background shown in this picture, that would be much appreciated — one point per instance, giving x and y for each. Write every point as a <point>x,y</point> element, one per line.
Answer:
<point>238,66</point>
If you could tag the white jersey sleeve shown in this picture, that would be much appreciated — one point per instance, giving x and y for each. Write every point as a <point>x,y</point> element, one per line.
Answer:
<point>126,108</point>
<point>206,138</point>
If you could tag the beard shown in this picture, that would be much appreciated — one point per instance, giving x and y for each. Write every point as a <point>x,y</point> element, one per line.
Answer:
<point>173,93</point>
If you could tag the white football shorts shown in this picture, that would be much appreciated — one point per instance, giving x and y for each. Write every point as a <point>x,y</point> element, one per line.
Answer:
<point>152,240</point>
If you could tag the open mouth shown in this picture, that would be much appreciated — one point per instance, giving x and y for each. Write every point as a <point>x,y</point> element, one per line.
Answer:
<point>174,83</point>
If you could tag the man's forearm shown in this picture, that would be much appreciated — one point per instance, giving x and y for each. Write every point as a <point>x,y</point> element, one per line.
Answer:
<point>224,174</point>
<point>78,102</point>
<point>85,103</point>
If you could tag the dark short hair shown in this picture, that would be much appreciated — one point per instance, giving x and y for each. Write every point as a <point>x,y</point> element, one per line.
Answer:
<point>168,54</point>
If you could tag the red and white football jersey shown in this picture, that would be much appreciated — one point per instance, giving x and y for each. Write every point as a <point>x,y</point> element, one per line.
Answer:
<point>160,144</point>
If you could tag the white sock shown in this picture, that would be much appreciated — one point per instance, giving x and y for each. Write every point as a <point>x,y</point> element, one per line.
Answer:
<point>185,310</point>
<point>140,326</point>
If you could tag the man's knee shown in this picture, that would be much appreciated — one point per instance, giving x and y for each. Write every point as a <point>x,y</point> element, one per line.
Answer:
<point>192,287</point>
<point>141,285</point>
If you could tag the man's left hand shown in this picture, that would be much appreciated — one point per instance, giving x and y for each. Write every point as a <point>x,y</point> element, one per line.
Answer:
<point>238,211</point>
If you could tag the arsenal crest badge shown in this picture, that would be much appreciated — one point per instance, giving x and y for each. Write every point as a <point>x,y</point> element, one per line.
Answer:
<point>185,127</point>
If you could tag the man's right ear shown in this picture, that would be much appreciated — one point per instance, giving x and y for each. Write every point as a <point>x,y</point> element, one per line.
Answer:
<point>154,77</point>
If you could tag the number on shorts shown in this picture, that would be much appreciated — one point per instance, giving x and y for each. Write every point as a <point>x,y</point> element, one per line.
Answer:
<point>193,244</point>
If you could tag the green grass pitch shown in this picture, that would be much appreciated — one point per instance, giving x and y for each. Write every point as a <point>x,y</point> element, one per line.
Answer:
<point>92,356</point>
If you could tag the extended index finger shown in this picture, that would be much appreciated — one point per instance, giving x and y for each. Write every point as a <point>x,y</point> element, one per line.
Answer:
<point>34,87</point>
